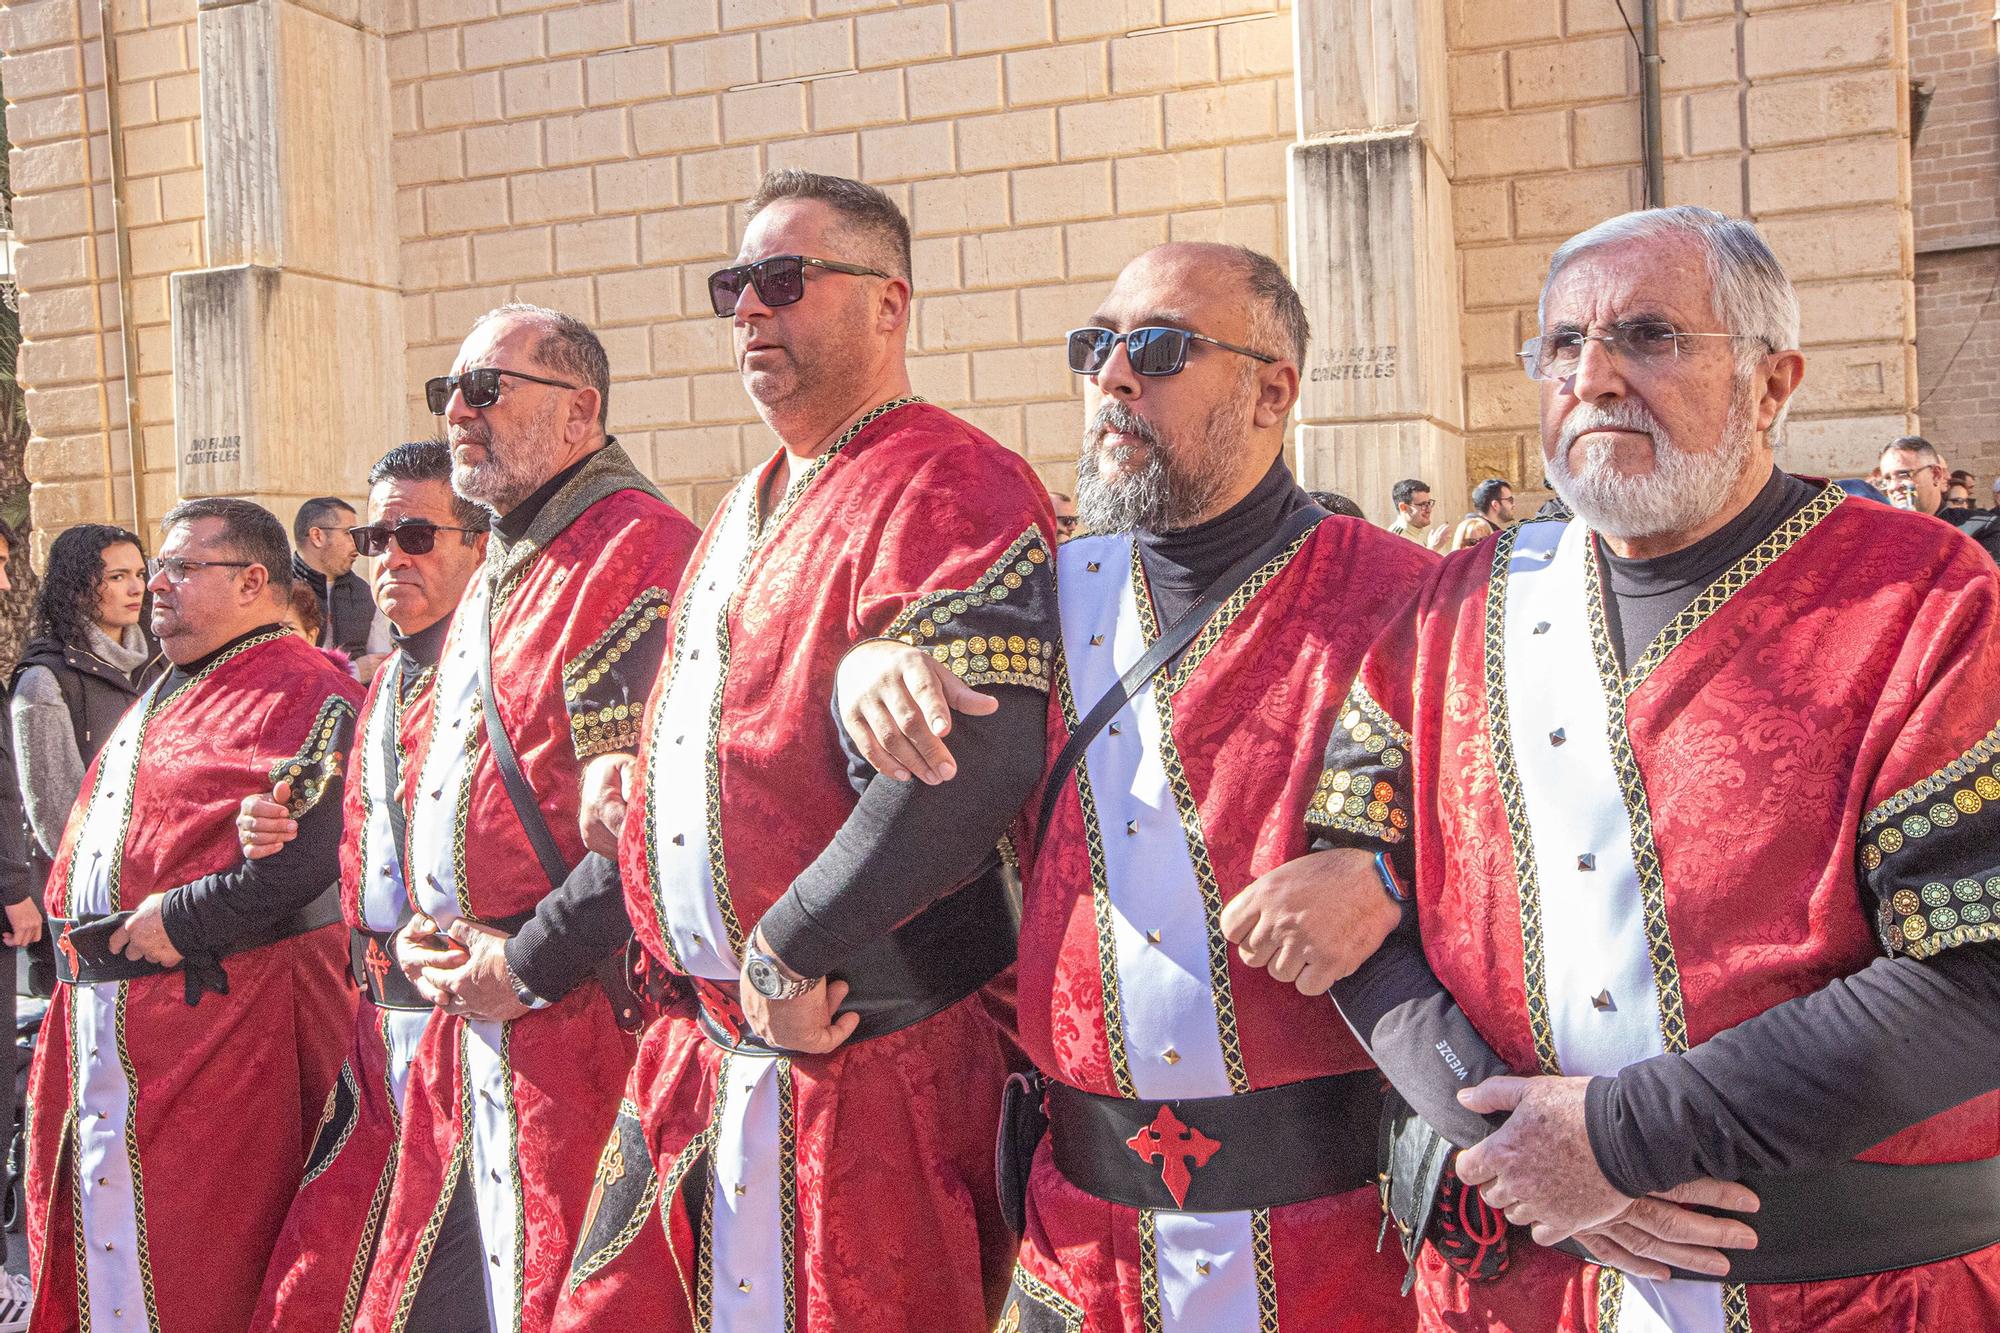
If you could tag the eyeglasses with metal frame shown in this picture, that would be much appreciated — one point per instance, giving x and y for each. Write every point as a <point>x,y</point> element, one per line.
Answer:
<point>1641,344</point>
<point>780,280</point>
<point>414,536</point>
<point>1153,350</point>
<point>480,387</point>
<point>177,569</point>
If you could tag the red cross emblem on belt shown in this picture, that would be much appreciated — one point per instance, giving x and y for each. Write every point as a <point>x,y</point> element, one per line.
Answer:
<point>69,952</point>
<point>1174,1145</point>
<point>378,963</point>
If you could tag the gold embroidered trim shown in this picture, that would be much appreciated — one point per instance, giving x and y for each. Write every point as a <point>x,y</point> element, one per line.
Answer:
<point>1100,902</point>
<point>611,1167</point>
<point>1149,1272</point>
<point>1045,1296</point>
<point>1939,916</point>
<point>704,1250</point>
<point>420,1259</point>
<point>1528,887</point>
<point>312,770</point>
<point>1729,583</point>
<point>506,1076</point>
<point>1962,772</point>
<point>788,1189</point>
<point>353,1087</point>
<point>1639,812</point>
<point>1265,1265</point>
<point>163,702</point>
<point>1218,624</point>
<point>1197,844</point>
<point>132,1155</point>
<point>1610,1298</point>
<point>378,1204</point>
<point>1735,1308</point>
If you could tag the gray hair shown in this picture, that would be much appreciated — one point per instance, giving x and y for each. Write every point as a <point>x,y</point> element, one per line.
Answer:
<point>1277,315</point>
<point>250,531</point>
<point>567,348</point>
<point>1751,293</point>
<point>869,217</point>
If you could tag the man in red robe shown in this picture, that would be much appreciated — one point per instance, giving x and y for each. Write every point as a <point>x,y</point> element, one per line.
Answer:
<point>185,1059</point>
<point>514,1084</point>
<point>810,1146</point>
<point>1702,829</point>
<point>1209,1161</point>
<point>426,543</point>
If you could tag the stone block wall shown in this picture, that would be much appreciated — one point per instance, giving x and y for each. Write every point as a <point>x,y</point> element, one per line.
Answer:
<point>594,157</point>
<point>1791,113</point>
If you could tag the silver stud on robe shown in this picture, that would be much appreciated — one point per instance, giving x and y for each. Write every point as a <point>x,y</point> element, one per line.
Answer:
<point>1587,861</point>
<point>1556,737</point>
<point>1601,1002</point>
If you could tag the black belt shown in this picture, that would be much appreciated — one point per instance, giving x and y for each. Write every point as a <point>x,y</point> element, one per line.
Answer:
<point>84,958</point>
<point>1859,1218</point>
<point>371,960</point>
<point>1227,1154</point>
<point>923,967</point>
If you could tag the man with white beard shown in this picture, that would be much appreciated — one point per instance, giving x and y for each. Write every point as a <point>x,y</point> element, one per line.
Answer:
<point>1704,838</point>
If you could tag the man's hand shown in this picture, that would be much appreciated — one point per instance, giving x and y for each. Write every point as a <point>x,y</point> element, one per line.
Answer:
<point>264,823</point>
<point>422,951</point>
<point>1312,921</point>
<point>144,935</point>
<point>607,787</point>
<point>478,986</point>
<point>896,703</point>
<point>24,923</point>
<point>810,1024</point>
<point>1540,1170</point>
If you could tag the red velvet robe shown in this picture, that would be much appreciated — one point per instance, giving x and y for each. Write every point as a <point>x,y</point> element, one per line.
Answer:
<point>1818,725</point>
<point>884,1194</point>
<point>222,1098</point>
<point>317,1271</point>
<point>588,581</point>
<point>1244,716</point>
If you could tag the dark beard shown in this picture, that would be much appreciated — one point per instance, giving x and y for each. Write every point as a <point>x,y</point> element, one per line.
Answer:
<point>1169,492</point>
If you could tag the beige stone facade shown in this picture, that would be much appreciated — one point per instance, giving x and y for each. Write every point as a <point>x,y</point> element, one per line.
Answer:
<point>318,196</point>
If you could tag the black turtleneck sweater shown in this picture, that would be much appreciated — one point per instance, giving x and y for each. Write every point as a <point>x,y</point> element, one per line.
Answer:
<point>1181,564</point>
<point>1808,1083</point>
<point>205,915</point>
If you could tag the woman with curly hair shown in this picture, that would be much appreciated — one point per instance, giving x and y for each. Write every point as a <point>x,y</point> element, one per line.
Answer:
<point>88,660</point>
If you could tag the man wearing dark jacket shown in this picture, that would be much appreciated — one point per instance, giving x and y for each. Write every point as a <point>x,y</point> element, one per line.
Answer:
<point>324,560</point>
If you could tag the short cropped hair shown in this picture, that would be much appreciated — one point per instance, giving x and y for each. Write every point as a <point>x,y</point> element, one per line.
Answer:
<point>430,460</point>
<point>1405,491</point>
<point>567,349</point>
<point>315,512</point>
<point>1487,492</point>
<point>1918,445</point>
<point>1333,502</point>
<point>868,216</point>
<point>250,531</point>
<point>1278,323</point>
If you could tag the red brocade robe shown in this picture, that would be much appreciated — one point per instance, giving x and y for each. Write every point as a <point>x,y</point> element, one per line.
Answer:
<point>191,1122</point>
<point>322,1257</point>
<point>1127,986</point>
<point>750,1194</point>
<point>517,1111</point>
<point>1802,773</point>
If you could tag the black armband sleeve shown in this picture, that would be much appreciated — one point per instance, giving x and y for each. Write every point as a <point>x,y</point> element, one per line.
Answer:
<point>573,929</point>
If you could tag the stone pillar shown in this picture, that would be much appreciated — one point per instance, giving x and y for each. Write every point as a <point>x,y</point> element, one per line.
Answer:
<point>1374,254</point>
<point>288,350</point>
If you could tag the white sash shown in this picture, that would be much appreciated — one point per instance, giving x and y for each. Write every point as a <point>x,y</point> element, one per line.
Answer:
<point>1205,1262</point>
<point>1604,1004</point>
<point>383,893</point>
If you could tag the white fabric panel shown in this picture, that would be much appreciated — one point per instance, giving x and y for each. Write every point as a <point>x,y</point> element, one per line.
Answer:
<point>457,728</point>
<point>383,896</point>
<point>1222,1300</point>
<point>746,1237</point>
<point>403,1030</point>
<point>495,1187</point>
<point>114,1291</point>
<point>1593,920</point>
<point>1164,991</point>
<point>680,760</point>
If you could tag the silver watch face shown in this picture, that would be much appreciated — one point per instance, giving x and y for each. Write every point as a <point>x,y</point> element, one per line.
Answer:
<point>764,975</point>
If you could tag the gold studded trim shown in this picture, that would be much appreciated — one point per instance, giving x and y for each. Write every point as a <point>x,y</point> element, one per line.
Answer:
<point>1266,1268</point>
<point>615,725</point>
<point>1639,812</point>
<point>1731,581</point>
<point>1976,784</point>
<point>984,659</point>
<point>312,770</point>
<point>1924,922</point>
<point>1500,732</point>
<point>1197,845</point>
<point>1100,902</point>
<point>1149,1273</point>
<point>1353,799</point>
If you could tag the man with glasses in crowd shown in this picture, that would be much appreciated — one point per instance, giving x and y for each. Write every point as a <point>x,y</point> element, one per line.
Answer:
<point>426,543</point>
<point>515,1082</point>
<point>324,561</point>
<point>198,1027</point>
<point>1414,504</point>
<point>1703,825</point>
<point>1914,477</point>
<point>1209,1154</point>
<point>810,1140</point>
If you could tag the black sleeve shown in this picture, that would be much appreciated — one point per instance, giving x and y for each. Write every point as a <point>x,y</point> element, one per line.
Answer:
<point>1417,1034</point>
<point>906,843</point>
<point>14,868</point>
<point>206,915</point>
<point>572,930</point>
<point>1810,1082</point>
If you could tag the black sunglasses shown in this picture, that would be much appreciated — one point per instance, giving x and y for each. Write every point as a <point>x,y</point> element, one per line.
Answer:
<point>481,387</point>
<point>1154,350</point>
<point>779,280</point>
<point>416,536</point>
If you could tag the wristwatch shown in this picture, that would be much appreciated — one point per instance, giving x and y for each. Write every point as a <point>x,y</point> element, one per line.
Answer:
<point>770,982</point>
<point>521,990</point>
